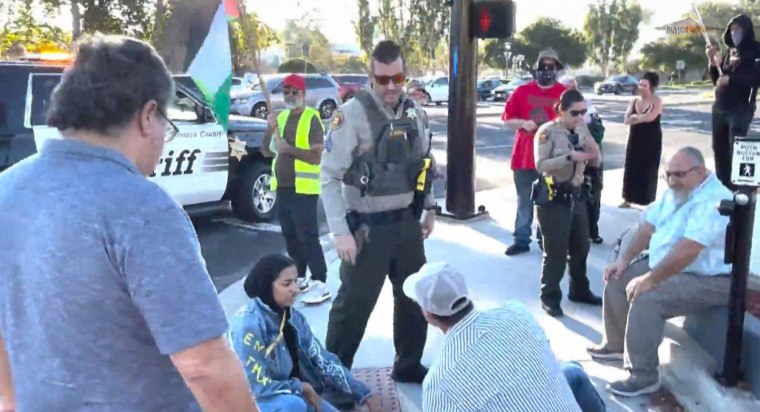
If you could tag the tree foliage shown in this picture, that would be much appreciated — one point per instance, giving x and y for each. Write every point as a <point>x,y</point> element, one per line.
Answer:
<point>22,32</point>
<point>542,34</point>
<point>350,64</point>
<point>424,21</point>
<point>248,37</point>
<point>365,27</point>
<point>297,65</point>
<point>298,37</point>
<point>611,28</point>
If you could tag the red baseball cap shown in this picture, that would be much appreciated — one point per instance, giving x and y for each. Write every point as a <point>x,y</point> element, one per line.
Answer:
<point>295,81</point>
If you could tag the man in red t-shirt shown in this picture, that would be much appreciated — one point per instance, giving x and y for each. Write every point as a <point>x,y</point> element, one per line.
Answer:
<point>527,108</point>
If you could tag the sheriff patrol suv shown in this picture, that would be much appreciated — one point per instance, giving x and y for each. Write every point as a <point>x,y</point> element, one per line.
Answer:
<point>203,168</point>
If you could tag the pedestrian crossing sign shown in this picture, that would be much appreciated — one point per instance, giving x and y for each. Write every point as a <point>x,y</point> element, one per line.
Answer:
<point>745,162</point>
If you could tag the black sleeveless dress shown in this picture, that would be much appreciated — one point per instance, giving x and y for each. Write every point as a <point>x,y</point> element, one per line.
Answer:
<point>642,161</point>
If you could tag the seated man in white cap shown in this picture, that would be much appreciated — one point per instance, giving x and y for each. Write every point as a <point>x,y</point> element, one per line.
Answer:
<point>495,360</point>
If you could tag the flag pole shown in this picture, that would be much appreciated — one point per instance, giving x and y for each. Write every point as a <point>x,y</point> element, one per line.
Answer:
<point>701,24</point>
<point>256,65</point>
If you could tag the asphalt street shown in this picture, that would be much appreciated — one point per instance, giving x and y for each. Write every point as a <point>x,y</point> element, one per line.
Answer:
<point>231,247</point>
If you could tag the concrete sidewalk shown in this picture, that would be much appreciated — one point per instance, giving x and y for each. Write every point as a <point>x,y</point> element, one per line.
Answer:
<point>477,249</point>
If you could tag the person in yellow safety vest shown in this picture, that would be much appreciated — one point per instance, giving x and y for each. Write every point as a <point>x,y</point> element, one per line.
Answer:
<point>297,152</point>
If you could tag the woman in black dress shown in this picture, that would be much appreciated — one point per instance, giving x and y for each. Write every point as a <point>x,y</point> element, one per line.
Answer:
<point>642,157</point>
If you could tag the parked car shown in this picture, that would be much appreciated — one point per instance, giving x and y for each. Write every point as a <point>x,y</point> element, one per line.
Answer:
<point>205,169</point>
<point>485,88</point>
<point>322,93</point>
<point>502,92</point>
<point>438,90</point>
<point>617,84</point>
<point>350,84</point>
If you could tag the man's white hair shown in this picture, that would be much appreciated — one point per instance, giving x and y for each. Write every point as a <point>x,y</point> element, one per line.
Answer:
<point>566,79</point>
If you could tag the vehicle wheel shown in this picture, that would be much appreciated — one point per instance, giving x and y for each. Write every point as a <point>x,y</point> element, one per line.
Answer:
<point>349,97</point>
<point>327,108</point>
<point>253,200</point>
<point>618,91</point>
<point>260,111</point>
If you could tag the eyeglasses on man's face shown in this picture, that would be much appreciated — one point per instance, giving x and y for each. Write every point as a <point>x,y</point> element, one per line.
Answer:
<point>171,129</point>
<point>680,174</point>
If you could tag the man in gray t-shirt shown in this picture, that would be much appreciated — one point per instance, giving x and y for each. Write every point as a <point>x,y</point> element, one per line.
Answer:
<point>105,300</point>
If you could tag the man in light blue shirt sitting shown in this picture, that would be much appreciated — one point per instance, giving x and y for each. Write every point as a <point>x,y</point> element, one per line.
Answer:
<point>683,274</point>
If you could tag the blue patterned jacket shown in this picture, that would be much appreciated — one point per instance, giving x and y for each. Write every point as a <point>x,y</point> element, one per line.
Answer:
<point>253,331</point>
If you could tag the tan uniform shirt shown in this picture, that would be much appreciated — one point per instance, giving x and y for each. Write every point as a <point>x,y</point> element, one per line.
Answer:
<point>552,147</point>
<point>350,135</point>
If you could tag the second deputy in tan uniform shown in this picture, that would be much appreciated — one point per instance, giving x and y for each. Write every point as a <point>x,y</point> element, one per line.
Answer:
<point>376,152</point>
<point>563,149</point>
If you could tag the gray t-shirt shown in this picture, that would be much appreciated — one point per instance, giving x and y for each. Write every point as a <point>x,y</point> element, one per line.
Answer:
<point>101,279</point>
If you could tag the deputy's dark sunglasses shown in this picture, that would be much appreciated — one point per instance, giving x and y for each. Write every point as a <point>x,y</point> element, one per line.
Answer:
<point>384,80</point>
<point>576,113</point>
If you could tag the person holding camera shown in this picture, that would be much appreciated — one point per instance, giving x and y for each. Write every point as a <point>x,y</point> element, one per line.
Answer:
<point>563,149</point>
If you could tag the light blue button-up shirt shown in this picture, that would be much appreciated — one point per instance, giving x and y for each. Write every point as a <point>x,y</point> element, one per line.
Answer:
<point>497,361</point>
<point>696,219</point>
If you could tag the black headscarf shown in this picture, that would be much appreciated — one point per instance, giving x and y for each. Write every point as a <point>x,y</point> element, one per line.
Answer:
<point>260,283</point>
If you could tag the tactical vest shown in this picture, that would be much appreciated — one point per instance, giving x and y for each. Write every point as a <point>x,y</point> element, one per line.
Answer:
<point>394,162</point>
<point>307,174</point>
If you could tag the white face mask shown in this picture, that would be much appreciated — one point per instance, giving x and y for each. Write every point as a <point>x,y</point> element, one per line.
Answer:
<point>736,37</point>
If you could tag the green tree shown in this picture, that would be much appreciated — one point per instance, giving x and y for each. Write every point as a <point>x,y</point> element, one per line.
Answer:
<point>298,37</point>
<point>248,37</point>
<point>365,27</point>
<point>23,32</point>
<point>611,28</point>
<point>542,34</point>
<point>297,65</point>
<point>430,27</point>
<point>663,54</point>
<point>350,64</point>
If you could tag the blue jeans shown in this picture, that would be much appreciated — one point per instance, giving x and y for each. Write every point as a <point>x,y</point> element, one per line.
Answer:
<point>524,184</point>
<point>583,390</point>
<point>290,403</point>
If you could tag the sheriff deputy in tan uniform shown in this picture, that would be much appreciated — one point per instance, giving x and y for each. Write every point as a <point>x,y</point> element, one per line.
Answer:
<point>375,190</point>
<point>563,148</point>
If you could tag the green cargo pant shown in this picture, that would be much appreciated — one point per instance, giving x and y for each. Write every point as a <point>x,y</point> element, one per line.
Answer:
<point>395,250</point>
<point>565,232</point>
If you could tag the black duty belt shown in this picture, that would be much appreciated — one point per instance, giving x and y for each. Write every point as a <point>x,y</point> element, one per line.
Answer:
<point>386,217</point>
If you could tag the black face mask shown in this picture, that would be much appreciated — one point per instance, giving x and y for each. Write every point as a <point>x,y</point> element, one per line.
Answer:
<point>546,77</point>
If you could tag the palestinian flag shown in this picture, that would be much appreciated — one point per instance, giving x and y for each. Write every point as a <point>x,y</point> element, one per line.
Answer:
<point>211,68</point>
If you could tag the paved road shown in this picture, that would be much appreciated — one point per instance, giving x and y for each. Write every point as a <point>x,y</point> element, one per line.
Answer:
<point>232,249</point>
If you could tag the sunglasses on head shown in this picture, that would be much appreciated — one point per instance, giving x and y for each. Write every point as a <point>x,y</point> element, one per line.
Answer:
<point>576,113</point>
<point>384,80</point>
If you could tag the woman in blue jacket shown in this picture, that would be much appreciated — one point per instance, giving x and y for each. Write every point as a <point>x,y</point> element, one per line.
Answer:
<point>286,365</point>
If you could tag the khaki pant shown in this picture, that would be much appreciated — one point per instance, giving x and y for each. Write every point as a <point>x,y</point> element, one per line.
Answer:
<point>637,329</point>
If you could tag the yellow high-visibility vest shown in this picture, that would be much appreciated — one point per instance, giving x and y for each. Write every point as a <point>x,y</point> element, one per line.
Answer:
<point>307,174</point>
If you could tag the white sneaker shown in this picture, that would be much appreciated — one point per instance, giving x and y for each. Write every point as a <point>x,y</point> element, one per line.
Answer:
<point>303,284</point>
<point>318,293</point>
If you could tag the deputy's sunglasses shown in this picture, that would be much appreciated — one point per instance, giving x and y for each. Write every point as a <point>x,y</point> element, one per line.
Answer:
<point>576,113</point>
<point>384,80</point>
<point>171,129</point>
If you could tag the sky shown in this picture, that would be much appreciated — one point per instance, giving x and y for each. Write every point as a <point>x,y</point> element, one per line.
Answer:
<point>335,17</point>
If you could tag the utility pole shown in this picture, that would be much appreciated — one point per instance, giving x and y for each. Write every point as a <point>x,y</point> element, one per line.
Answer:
<point>470,20</point>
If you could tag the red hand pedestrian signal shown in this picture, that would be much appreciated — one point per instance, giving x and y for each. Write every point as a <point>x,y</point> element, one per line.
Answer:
<point>485,20</point>
<point>492,19</point>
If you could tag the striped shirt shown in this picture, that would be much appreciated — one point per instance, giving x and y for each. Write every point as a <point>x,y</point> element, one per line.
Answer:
<point>497,361</point>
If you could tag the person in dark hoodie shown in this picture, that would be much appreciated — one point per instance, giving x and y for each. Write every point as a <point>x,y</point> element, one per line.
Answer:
<point>735,90</point>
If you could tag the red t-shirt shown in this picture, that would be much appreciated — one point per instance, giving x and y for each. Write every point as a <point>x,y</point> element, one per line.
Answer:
<point>530,102</point>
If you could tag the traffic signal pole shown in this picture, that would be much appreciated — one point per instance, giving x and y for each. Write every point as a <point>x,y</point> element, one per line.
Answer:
<point>460,166</point>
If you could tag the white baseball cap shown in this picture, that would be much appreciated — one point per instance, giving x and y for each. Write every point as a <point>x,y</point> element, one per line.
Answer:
<point>438,288</point>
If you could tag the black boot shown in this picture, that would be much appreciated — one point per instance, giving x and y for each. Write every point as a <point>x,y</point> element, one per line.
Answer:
<point>586,297</point>
<point>553,310</point>
<point>414,375</point>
